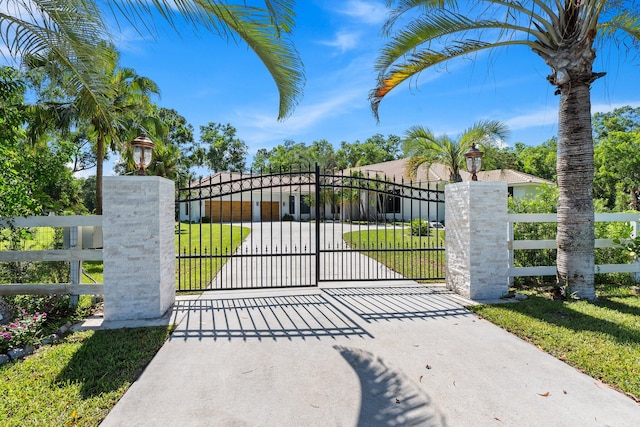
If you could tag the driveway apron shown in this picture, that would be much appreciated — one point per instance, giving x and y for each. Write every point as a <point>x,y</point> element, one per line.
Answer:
<point>393,354</point>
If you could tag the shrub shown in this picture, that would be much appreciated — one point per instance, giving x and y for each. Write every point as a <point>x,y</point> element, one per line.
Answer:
<point>287,217</point>
<point>22,332</point>
<point>54,306</point>
<point>419,227</point>
<point>546,202</point>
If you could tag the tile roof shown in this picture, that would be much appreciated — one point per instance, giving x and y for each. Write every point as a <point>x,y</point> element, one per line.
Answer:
<point>395,170</point>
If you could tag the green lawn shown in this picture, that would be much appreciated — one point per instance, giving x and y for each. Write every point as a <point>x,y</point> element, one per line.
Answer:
<point>193,239</point>
<point>94,269</point>
<point>197,272</point>
<point>78,381</point>
<point>602,339</point>
<point>419,263</point>
<point>193,273</point>
<point>34,238</point>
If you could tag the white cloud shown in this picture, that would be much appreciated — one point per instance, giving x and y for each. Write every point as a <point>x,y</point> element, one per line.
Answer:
<point>366,11</point>
<point>548,116</point>
<point>606,108</point>
<point>543,117</point>
<point>344,41</point>
<point>262,128</point>
<point>129,40</point>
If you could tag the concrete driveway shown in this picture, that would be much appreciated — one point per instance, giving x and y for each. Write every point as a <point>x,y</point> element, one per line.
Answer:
<point>283,254</point>
<point>394,354</point>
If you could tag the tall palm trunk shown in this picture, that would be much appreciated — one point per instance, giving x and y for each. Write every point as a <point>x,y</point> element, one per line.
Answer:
<point>575,167</point>
<point>99,172</point>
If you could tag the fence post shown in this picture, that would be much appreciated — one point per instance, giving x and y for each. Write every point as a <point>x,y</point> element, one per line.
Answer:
<point>510,238</point>
<point>476,244</point>
<point>139,247</point>
<point>634,234</point>
<point>75,273</point>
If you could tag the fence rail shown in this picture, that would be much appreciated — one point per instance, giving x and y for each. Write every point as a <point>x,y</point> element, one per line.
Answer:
<point>514,245</point>
<point>74,255</point>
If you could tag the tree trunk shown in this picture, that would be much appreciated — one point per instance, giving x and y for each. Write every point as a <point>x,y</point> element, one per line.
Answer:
<point>575,167</point>
<point>99,172</point>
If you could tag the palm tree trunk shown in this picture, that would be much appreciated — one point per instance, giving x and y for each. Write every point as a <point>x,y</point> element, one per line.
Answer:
<point>575,167</point>
<point>99,172</point>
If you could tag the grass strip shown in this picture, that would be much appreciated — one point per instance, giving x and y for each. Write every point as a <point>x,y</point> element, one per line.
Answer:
<point>203,250</point>
<point>602,339</point>
<point>77,381</point>
<point>192,239</point>
<point>397,249</point>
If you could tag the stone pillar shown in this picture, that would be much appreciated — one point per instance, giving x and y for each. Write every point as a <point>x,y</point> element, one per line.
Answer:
<point>476,242</point>
<point>139,247</point>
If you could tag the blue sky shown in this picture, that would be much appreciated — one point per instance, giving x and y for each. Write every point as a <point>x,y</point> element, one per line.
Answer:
<point>209,79</point>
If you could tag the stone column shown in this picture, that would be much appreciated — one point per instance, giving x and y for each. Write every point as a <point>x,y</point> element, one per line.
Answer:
<point>476,239</point>
<point>139,247</point>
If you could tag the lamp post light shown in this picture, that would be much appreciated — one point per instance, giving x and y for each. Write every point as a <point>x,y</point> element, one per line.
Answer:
<point>473,158</point>
<point>142,152</point>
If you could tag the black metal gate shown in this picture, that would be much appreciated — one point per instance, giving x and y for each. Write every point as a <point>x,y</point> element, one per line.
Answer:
<point>301,227</point>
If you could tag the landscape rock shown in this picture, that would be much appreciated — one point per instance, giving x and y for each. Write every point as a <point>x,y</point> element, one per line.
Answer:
<point>4,359</point>
<point>50,339</point>
<point>16,353</point>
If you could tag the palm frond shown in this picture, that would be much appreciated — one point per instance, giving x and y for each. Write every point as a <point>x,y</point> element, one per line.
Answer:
<point>625,24</point>
<point>428,58</point>
<point>278,54</point>
<point>67,33</point>
<point>484,132</point>
<point>263,29</point>
<point>410,51</point>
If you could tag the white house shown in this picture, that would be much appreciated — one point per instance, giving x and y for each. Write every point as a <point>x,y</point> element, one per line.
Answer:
<point>387,194</point>
<point>242,197</point>
<point>519,184</point>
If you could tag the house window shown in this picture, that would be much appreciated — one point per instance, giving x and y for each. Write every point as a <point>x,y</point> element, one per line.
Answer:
<point>388,203</point>
<point>292,205</point>
<point>305,208</point>
<point>510,191</point>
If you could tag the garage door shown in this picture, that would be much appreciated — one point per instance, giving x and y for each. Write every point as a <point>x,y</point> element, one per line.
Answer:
<point>227,211</point>
<point>270,211</point>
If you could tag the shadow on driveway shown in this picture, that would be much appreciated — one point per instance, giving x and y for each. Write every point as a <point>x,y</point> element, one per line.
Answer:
<point>389,397</point>
<point>270,317</point>
<point>374,304</point>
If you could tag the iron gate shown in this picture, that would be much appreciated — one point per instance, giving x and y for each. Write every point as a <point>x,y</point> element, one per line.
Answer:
<point>301,227</point>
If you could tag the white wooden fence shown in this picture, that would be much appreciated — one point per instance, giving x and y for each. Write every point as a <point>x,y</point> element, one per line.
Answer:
<point>74,254</point>
<point>551,244</point>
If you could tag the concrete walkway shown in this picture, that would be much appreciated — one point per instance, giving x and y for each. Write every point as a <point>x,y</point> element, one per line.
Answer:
<point>353,355</point>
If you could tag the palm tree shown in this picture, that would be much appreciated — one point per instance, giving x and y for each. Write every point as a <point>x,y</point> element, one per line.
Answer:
<point>563,33</point>
<point>56,35</point>
<point>128,109</point>
<point>424,148</point>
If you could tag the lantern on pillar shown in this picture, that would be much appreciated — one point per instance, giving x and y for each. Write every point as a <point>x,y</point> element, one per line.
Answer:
<point>142,152</point>
<point>473,158</point>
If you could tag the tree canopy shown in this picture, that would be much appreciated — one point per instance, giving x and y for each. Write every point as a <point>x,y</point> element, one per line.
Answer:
<point>34,177</point>
<point>224,151</point>
<point>423,148</point>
